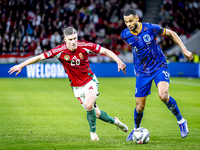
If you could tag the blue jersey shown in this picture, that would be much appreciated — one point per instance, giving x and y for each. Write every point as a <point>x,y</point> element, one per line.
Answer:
<point>147,54</point>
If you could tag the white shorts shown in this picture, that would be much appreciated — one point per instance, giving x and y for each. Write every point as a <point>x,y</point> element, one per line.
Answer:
<point>81,91</point>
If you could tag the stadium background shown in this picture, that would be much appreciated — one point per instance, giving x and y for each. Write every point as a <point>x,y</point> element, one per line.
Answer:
<point>44,114</point>
<point>28,28</point>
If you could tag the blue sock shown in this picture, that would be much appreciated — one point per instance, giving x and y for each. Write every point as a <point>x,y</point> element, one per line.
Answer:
<point>137,118</point>
<point>173,107</point>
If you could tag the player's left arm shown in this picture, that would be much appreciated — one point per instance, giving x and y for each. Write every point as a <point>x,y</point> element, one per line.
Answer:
<point>176,39</point>
<point>107,52</point>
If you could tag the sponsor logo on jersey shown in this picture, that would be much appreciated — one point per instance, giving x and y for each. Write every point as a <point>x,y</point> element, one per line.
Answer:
<point>49,53</point>
<point>81,55</point>
<point>66,57</point>
<point>74,57</point>
<point>147,38</point>
<point>135,48</point>
<point>90,88</point>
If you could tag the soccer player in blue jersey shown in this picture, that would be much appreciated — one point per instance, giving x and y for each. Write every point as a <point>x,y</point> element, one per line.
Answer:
<point>150,64</point>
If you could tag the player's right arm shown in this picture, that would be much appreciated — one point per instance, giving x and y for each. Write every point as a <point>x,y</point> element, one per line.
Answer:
<point>18,68</point>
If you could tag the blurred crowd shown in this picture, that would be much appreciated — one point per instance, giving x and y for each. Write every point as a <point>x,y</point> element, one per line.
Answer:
<point>183,17</point>
<point>35,26</point>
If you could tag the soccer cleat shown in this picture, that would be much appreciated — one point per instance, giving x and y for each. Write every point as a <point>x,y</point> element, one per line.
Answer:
<point>119,124</point>
<point>130,136</point>
<point>184,128</point>
<point>94,136</point>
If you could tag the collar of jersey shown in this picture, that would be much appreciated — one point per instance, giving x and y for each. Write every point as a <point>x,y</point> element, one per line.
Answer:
<point>139,31</point>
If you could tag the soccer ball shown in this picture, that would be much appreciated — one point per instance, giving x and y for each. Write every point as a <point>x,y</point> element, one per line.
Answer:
<point>141,136</point>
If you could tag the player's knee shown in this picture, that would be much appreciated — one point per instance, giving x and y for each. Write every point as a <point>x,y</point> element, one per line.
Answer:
<point>163,97</point>
<point>89,102</point>
<point>140,108</point>
<point>88,106</point>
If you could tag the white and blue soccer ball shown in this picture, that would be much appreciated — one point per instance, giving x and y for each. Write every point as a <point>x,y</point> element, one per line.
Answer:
<point>141,136</point>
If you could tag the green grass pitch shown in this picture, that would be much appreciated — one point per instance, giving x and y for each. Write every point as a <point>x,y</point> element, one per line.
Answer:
<point>43,114</point>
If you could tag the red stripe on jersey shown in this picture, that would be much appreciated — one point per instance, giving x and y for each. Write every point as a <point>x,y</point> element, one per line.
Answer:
<point>79,99</point>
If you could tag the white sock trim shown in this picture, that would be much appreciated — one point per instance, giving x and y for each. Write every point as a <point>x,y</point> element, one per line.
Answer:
<point>181,121</point>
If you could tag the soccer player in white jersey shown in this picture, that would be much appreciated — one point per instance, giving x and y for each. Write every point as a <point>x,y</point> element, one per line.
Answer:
<point>73,55</point>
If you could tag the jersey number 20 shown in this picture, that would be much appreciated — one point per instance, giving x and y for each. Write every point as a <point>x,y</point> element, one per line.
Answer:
<point>75,62</point>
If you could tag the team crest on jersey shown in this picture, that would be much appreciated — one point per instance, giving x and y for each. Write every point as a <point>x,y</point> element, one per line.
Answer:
<point>147,38</point>
<point>49,53</point>
<point>66,57</point>
<point>81,55</point>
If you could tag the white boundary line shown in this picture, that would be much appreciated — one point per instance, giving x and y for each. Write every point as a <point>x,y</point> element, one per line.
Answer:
<point>185,83</point>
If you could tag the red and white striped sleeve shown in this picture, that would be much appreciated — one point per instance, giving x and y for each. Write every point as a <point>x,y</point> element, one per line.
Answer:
<point>90,47</point>
<point>55,52</point>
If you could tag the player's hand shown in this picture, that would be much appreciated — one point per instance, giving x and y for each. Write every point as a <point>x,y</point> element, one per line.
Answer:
<point>122,67</point>
<point>15,68</point>
<point>188,55</point>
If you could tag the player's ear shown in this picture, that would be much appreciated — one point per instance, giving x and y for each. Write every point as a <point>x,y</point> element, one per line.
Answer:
<point>137,18</point>
<point>65,39</point>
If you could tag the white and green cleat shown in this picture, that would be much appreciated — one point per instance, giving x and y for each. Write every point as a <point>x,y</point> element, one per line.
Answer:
<point>94,136</point>
<point>119,124</point>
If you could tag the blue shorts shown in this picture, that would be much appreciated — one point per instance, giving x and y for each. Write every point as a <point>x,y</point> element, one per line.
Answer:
<point>143,84</point>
